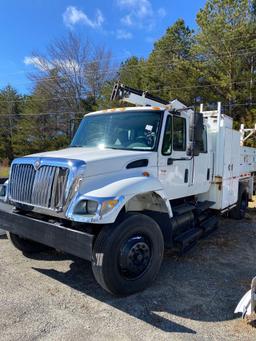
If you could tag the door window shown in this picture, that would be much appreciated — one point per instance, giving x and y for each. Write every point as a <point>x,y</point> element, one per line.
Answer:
<point>167,142</point>
<point>179,133</point>
<point>203,145</point>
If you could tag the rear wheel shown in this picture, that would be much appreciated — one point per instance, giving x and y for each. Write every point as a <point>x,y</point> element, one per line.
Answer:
<point>26,245</point>
<point>127,257</point>
<point>239,211</point>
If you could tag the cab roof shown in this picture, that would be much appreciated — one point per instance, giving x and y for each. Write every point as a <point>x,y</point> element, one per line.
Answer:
<point>126,109</point>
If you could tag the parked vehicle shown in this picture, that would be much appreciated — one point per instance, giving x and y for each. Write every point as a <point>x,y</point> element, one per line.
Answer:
<point>133,181</point>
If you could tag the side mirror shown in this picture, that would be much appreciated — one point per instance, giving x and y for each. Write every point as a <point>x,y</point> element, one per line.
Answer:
<point>196,128</point>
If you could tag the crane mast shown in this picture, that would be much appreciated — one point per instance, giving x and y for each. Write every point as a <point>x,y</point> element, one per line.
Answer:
<point>136,97</point>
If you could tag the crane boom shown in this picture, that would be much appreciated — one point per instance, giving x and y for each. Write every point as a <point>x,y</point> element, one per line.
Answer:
<point>137,97</point>
<point>130,95</point>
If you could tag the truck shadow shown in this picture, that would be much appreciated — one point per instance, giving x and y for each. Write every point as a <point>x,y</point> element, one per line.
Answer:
<point>204,285</point>
<point>146,306</point>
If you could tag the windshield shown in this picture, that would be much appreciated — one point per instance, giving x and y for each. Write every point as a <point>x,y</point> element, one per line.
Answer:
<point>120,130</point>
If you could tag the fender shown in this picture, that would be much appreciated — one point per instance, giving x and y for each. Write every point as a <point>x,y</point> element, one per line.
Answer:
<point>122,190</point>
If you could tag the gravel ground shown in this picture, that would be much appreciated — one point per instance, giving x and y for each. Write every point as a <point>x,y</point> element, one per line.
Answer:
<point>54,296</point>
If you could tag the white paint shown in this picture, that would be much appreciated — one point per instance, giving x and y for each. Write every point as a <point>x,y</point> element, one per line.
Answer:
<point>106,176</point>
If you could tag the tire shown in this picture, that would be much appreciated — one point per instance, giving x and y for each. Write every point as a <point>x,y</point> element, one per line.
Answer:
<point>127,256</point>
<point>239,211</point>
<point>26,245</point>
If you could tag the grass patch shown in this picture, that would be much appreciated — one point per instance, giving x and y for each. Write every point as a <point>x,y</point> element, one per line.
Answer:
<point>4,172</point>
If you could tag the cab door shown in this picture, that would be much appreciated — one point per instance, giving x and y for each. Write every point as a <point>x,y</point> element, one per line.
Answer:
<point>174,166</point>
<point>203,166</point>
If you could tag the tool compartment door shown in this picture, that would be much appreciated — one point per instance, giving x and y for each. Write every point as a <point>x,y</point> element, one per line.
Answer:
<point>231,160</point>
<point>235,166</point>
<point>227,177</point>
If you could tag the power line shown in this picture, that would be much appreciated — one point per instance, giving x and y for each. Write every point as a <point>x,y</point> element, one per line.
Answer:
<point>240,52</point>
<point>59,98</point>
<point>17,116</point>
<point>140,57</point>
<point>148,63</point>
<point>84,113</point>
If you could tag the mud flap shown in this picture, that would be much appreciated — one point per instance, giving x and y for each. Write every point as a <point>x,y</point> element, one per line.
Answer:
<point>247,305</point>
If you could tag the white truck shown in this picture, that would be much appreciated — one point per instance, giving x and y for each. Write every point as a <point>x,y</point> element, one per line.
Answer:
<point>134,181</point>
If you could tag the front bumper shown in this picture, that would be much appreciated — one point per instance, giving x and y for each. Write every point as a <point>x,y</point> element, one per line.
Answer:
<point>77,243</point>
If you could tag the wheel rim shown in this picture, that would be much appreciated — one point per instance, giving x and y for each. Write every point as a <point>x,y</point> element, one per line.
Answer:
<point>135,256</point>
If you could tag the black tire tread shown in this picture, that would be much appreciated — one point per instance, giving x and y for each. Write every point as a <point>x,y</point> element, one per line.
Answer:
<point>101,246</point>
<point>236,213</point>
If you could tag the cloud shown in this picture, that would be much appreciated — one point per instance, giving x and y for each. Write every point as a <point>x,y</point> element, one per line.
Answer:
<point>127,20</point>
<point>39,63</point>
<point>73,16</point>
<point>161,12</point>
<point>127,2</point>
<point>44,65</point>
<point>122,34</point>
<point>140,13</point>
<point>138,8</point>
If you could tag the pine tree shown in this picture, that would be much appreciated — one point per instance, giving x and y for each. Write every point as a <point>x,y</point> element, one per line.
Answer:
<point>225,50</point>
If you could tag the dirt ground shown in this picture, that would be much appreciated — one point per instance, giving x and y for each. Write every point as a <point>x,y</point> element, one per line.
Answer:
<point>55,297</point>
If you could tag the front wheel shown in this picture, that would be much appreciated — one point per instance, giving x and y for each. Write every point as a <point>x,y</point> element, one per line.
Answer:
<point>128,256</point>
<point>25,245</point>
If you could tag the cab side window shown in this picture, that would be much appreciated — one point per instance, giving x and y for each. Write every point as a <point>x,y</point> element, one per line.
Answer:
<point>203,146</point>
<point>179,133</point>
<point>167,142</point>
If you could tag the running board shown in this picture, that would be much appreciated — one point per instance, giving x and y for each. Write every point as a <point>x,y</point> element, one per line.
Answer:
<point>209,225</point>
<point>200,207</point>
<point>186,240</point>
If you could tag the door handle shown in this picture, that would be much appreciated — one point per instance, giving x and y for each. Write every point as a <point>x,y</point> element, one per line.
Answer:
<point>186,176</point>
<point>208,174</point>
<point>170,160</point>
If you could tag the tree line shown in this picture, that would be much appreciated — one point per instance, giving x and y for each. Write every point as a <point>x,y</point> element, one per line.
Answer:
<point>214,62</point>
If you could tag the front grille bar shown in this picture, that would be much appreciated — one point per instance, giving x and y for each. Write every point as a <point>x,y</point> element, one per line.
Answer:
<point>44,187</point>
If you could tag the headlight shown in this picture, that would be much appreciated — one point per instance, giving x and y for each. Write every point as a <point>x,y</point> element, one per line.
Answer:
<point>86,207</point>
<point>92,206</point>
<point>2,190</point>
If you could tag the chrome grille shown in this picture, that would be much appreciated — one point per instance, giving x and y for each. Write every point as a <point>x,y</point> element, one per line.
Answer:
<point>44,187</point>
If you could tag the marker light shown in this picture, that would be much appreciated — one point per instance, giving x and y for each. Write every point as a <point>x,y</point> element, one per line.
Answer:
<point>107,206</point>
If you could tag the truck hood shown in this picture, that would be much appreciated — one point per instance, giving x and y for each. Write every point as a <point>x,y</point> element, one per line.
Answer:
<point>101,161</point>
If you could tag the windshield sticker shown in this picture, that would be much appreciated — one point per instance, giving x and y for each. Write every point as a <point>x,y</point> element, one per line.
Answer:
<point>149,127</point>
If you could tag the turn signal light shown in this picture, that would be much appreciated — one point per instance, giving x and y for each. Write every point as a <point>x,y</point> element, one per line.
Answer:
<point>146,174</point>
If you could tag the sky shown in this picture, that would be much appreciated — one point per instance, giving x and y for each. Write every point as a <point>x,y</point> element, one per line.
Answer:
<point>126,27</point>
